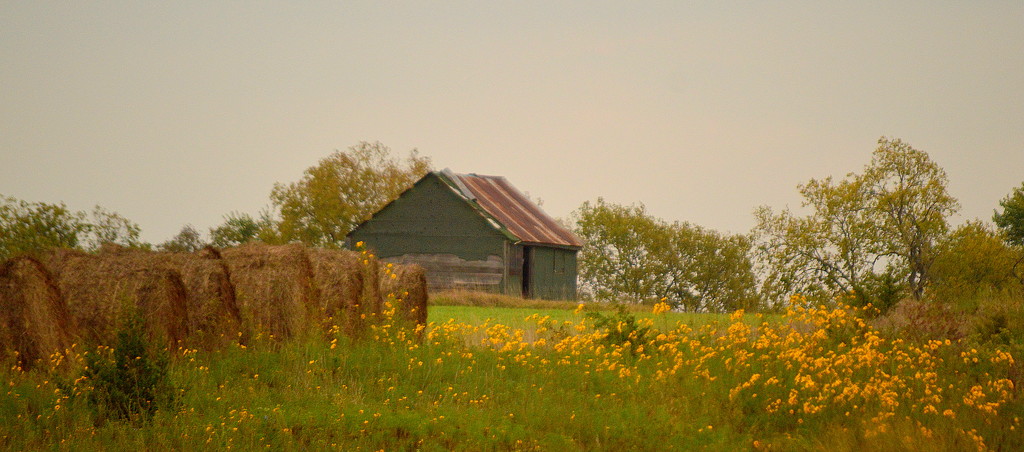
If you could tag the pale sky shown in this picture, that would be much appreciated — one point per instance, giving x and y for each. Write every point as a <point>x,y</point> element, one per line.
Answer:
<point>174,113</point>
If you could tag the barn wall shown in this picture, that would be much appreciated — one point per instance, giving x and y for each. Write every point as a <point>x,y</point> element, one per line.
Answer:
<point>448,271</point>
<point>553,273</point>
<point>432,226</point>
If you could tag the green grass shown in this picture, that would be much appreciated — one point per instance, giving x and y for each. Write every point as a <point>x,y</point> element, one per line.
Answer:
<point>585,393</point>
<point>516,317</point>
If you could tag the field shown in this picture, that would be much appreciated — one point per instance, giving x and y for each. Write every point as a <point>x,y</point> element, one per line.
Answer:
<point>505,378</point>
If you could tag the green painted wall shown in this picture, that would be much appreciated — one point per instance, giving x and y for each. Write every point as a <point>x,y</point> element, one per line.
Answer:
<point>553,273</point>
<point>429,219</point>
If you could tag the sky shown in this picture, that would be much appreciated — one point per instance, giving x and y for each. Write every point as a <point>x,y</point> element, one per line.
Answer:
<point>175,113</point>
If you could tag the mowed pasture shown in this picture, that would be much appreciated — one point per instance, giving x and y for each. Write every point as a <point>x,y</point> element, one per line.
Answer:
<point>554,378</point>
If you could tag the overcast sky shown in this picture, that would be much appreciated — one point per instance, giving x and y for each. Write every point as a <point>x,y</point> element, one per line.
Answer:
<point>175,113</point>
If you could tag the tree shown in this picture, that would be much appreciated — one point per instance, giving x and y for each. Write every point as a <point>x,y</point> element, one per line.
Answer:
<point>110,227</point>
<point>1011,219</point>
<point>863,232</point>
<point>27,227</point>
<point>974,259</point>
<point>237,229</point>
<point>633,256</point>
<point>617,260</point>
<point>342,191</point>
<point>188,240</point>
<point>704,270</point>
<point>909,191</point>
<point>832,251</point>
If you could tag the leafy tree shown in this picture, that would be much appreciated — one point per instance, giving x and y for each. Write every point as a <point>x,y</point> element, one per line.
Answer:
<point>110,227</point>
<point>834,250</point>
<point>973,260</point>
<point>1011,219</point>
<point>863,232</point>
<point>341,191</point>
<point>27,227</point>
<point>704,270</point>
<point>908,190</point>
<point>187,240</point>
<point>33,226</point>
<point>238,228</point>
<point>633,256</point>
<point>618,260</point>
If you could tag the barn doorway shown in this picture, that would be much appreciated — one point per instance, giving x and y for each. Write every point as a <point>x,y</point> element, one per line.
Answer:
<point>527,275</point>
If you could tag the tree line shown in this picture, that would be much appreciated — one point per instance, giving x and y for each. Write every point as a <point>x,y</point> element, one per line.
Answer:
<point>876,236</point>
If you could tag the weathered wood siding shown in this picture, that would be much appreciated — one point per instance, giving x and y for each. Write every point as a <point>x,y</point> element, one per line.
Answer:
<point>448,271</point>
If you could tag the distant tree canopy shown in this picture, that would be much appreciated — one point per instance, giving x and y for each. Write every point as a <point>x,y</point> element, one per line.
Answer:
<point>1011,219</point>
<point>188,240</point>
<point>27,227</point>
<point>631,256</point>
<point>864,234</point>
<point>973,261</point>
<point>239,228</point>
<point>341,191</point>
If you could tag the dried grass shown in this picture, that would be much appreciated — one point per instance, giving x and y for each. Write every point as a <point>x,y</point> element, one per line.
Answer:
<point>213,312</point>
<point>99,288</point>
<point>34,320</point>
<point>918,320</point>
<point>273,287</point>
<point>280,290</point>
<point>410,286</point>
<point>338,276</point>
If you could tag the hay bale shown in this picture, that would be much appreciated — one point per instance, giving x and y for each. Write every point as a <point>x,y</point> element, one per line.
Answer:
<point>370,304</point>
<point>273,287</point>
<point>99,288</point>
<point>34,320</point>
<point>408,286</point>
<point>338,277</point>
<point>209,293</point>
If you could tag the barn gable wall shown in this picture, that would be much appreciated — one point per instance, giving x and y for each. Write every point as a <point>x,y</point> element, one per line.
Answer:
<point>432,226</point>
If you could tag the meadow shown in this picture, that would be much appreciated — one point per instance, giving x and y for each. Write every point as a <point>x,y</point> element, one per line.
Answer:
<point>543,378</point>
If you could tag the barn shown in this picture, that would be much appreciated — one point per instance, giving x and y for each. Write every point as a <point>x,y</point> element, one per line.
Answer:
<point>475,232</point>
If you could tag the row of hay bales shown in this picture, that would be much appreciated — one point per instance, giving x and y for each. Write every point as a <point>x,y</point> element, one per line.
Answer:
<point>202,299</point>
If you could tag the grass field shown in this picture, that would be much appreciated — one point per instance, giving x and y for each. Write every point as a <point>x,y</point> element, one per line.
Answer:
<point>814,379</point>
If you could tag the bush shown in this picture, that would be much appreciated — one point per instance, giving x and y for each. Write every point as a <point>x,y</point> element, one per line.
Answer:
<point>621,328</point>
<point>919,321</point>
<point>133,382</point>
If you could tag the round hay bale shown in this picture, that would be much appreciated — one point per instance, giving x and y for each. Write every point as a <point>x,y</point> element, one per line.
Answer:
<point>372,299</point>
<point>34,320</point>
<point>407,284</point>
<point>273,286</point>
<point>209,294</point>
<point>100,290</point>
<point>338,277</point>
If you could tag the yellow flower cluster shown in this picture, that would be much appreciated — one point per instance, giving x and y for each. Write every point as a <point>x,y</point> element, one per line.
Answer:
<point>814,363</point>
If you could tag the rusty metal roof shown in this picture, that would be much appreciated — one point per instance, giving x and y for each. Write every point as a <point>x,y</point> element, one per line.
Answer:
<point>508,206</point>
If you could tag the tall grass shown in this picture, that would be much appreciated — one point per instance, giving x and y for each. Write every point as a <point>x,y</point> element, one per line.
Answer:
<point>813,379</point>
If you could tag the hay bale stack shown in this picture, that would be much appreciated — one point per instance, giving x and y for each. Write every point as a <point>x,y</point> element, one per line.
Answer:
<point>34,320</point>
<point>99,288</point>
<point>209,293</point>
<point>273,287</point>
<point>338,276</point>
<point>409,287</point>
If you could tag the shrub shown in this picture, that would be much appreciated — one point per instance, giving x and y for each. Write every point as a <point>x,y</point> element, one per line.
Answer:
<point>133,382</point>
<point>917,320</point>
<point>621,328</point>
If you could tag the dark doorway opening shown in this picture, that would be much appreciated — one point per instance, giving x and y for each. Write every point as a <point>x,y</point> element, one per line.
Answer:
<point>527,276</point>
